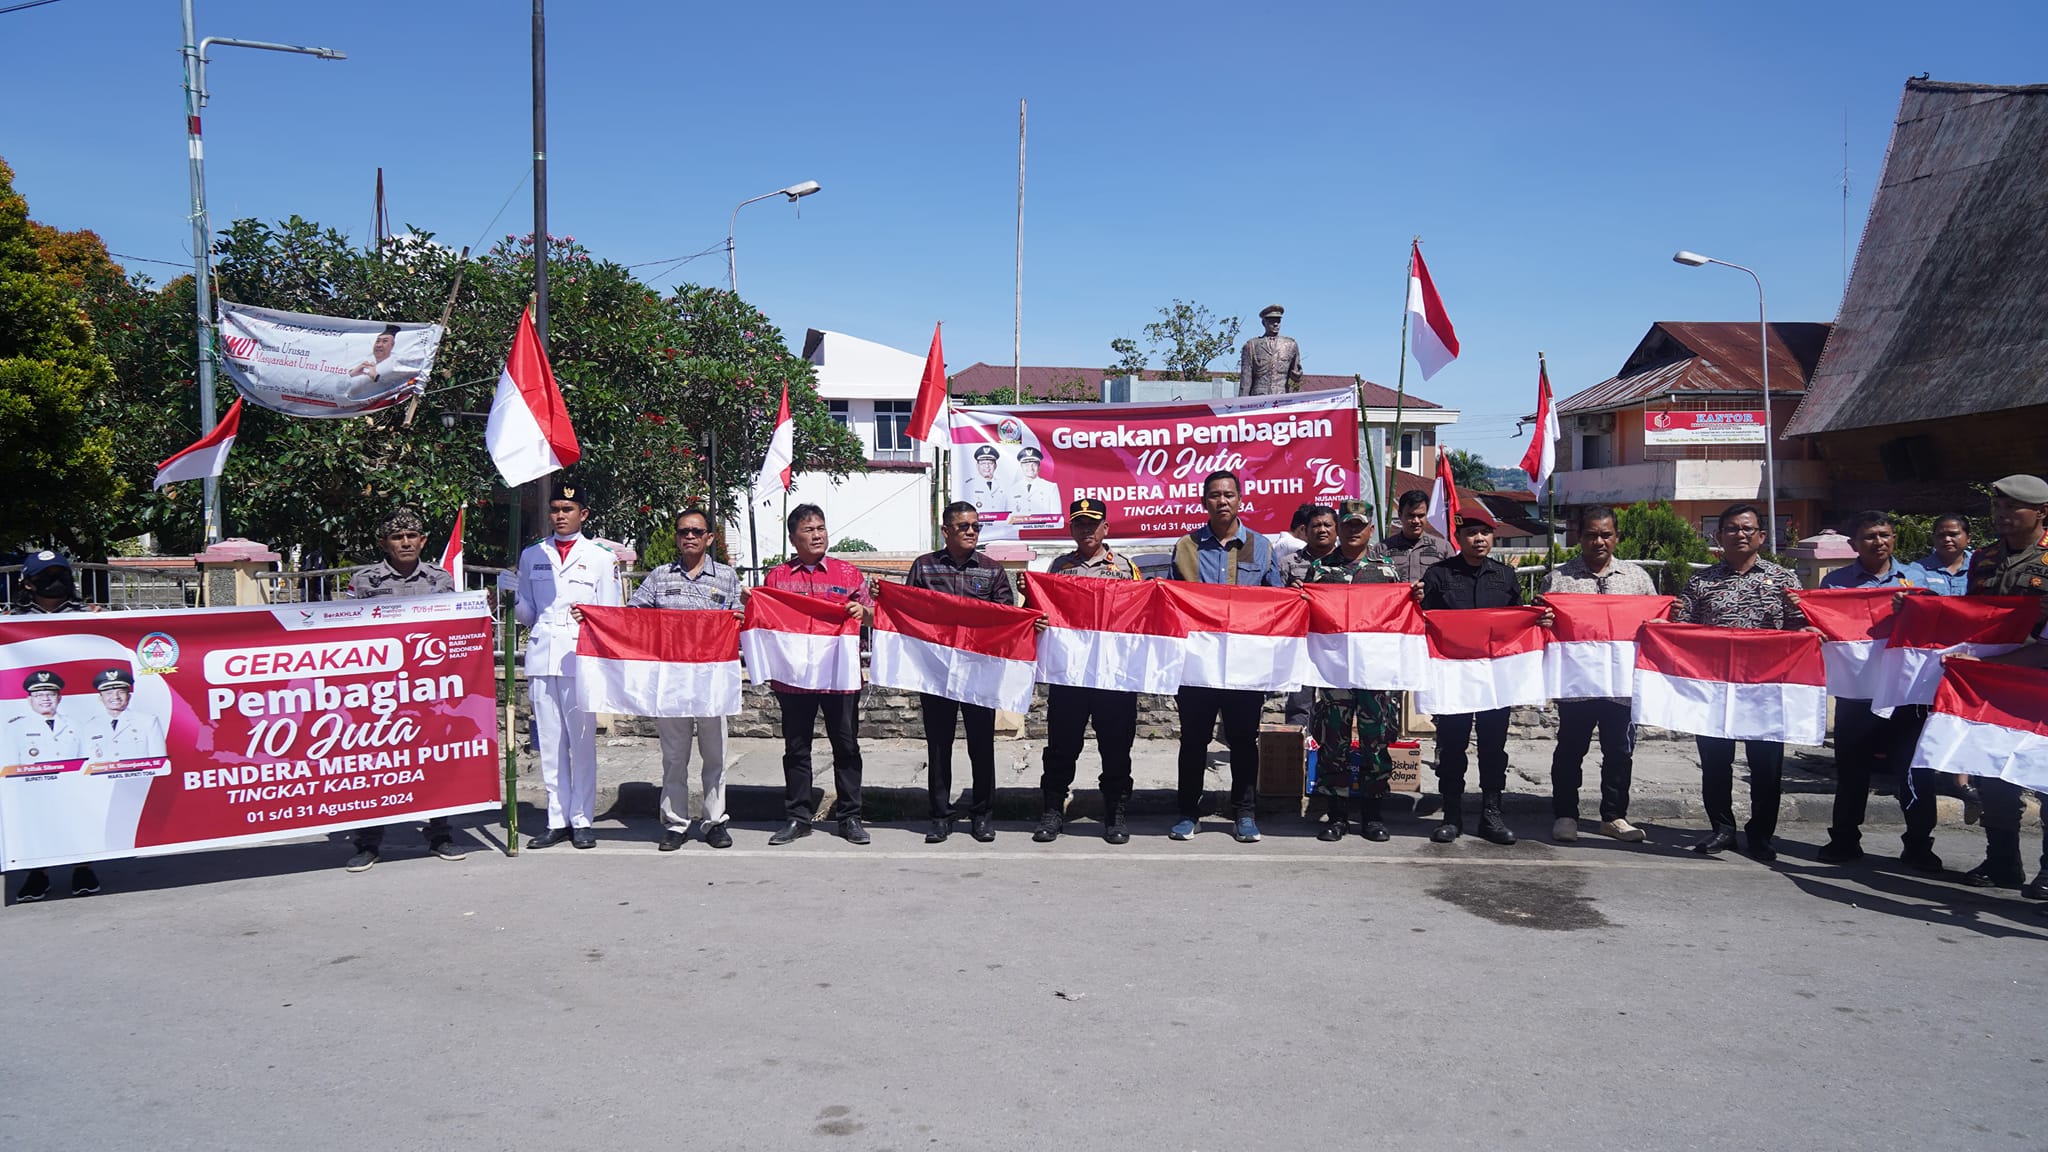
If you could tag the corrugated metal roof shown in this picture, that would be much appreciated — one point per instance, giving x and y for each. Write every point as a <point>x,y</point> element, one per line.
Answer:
<point>1051,382</point>
<point>1682,356</point>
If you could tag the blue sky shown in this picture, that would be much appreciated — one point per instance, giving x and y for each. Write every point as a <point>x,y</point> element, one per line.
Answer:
<point>1552,156</point>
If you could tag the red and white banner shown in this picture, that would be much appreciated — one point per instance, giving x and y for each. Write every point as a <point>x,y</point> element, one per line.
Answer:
<point>1117,635</point>
<point>1591,653</point>
<point>233,726</point>
<point>1250,639</point>
<point>1366,636</point>
<point>451,553</point>
<point>800,642</point>
<point>1541,458</point>
<point>1481,659</point>
<point>940,644</point>
<point>1988,720</point>
<point>1665,427</point>
<point>323,366</point>
<point>778,465</point>
<point>1430,335</point>
<point>528,433</point>
<point>1443,499</point>
<point>1146,462</point>
<point>1930,627</point>
<point>1732,683</point>
<point>1854,624</point>
<point>658,661</point>
<point>206,456</point>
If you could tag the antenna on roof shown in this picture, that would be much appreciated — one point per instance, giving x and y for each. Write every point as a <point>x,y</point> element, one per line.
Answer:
<point>1845,203</point>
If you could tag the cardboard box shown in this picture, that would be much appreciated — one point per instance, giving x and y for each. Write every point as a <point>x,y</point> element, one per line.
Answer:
<point>1283,765</point>
<point>1407,757</point>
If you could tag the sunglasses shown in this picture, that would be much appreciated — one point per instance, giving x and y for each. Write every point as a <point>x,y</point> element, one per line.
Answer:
<point>692,533</point>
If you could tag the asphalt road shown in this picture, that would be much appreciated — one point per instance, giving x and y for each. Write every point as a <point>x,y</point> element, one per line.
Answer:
<point>1157,996</point>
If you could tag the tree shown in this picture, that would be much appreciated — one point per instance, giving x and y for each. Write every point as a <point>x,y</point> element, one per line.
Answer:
<point>1469,471</point>
<point>1187,338</point>
<point>1652,531</point>
<point>55,465</point>
<point>1064,390</point>
<point>1129,360</point>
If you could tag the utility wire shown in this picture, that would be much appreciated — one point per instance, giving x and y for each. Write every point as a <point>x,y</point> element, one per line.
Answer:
<point>124,255</point>
<point>27,4</point>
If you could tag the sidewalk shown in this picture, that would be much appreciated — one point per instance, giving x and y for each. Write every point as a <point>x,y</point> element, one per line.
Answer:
<point>1666,786</point>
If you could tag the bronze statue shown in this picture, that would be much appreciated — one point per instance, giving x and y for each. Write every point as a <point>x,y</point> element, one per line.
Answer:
<point>1270,364</point>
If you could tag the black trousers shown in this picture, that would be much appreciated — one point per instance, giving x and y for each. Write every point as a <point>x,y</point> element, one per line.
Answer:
<point>1577,720</point>
<point>1860,736</point>
<point>1068,712</point>
<point>1766,782</point>
<point>940,713</point>
<point>372,837</point>
<point>2003,809</point>
<point>800,712</point>
<point>1199,708</point>
<point>1454,736</point>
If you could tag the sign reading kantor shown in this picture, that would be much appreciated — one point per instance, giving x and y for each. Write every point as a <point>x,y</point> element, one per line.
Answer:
<point>1667,428</point>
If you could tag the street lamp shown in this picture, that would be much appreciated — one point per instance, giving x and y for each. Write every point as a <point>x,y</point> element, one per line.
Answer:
<point>793,193</point>
<point>1763,340</point>
<point>202,233</point>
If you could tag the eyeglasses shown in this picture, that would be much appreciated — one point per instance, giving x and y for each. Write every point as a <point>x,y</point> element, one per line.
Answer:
<point>692,533</point>
<point>1732,530</point>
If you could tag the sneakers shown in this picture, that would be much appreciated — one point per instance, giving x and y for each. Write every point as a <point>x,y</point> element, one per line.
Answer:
<point>1565,829</point>
<point>1049,824</point>
<point>35,887</point>
<point>84,881</point>
<point>1623,831</point>
<point>1247,831</point>
<point>364,860</point>
<point>1839,852</point>
<point>446,850</point>
<point>1183,830</point>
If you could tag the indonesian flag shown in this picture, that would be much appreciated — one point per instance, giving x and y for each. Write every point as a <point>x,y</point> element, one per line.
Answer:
<point>931,393</point>
<point>1591,653</point>
<point>1541,458</point>
<point>1443,497</point>
<point>658,661</point>
<point>1117,635</point>
<point>1854,624</point>
<point>1253,639</point>
<point>801,642</point>
<point>451,553</point>
<point>529,434</point>
<point>207,457</point>
<point>779,464</point>
<point>972,651</point>
<point>1733,683</point>
<point>1367,636</point>
<point>1988,720</point>
<point>1930,627</point>
<point>1481,659</point>
<point>1431,338</point>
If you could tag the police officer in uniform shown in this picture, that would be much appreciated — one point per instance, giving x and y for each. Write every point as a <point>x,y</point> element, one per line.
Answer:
<point>115,735</point>
<point>1033,496</point>
<point>2016,564</point>
<point>41,736</point>
<point>981,491</point>
<point>403,572</point>
<point>561,572</point>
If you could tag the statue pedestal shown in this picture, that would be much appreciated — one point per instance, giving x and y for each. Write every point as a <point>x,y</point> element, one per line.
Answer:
<point>228,573</point>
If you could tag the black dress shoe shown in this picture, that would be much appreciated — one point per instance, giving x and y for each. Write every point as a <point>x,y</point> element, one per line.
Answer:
<point>716,835</point>
<point>1921,860</point>
<point>582,838</point>
<point>1332,829</point>
<point>794,830</point>
<point>1760,851</point>
<point>1446,832</point>
<point>1050,822</point>
<point>852,830</point>
<point>671,839</point>
<point>1373,830</point>
<point>940,830</point>
<point>1719,840</point>
<point>983,829</point>
<point>2038,890</point>
<point>1986,876</point>
<point>549,838</point>
<point>1839,852</point>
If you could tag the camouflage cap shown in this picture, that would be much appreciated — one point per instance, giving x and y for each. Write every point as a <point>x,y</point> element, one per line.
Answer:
<point>1354,510</point>
<point>401,520</point>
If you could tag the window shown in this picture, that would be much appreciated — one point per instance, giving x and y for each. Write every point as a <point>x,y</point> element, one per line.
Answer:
<point>838,411</point>
<point>1593,451</point>
<point>1408,460</point>
<point>892,430</point>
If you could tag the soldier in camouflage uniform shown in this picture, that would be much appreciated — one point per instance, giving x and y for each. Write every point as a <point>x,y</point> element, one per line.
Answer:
<point>2016,564</point>
<point>1338,712</point>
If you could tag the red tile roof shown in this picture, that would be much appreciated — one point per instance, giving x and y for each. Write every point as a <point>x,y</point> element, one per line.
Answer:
<point>980,379</point>
<point>1705,357</point>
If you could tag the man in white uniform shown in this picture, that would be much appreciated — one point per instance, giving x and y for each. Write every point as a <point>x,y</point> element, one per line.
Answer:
<point>981,491</point>
<point>1033,496</point>
<point>555,575</point>
<point>118,735</point>
<point>43,735</point>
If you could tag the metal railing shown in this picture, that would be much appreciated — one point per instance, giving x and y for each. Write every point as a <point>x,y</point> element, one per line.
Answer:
<point>118,587</point>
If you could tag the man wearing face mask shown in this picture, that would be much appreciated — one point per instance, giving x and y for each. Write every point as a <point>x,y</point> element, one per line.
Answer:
<point>47,586</point>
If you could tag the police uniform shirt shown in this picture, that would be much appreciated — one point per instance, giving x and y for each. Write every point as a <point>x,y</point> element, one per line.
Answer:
<point>1035,498</point>
<point>381,579</point>
<point>1997,570</point>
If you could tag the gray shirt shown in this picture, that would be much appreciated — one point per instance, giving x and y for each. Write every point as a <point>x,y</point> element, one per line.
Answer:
<point>381,579</point>
<point>1620,579</point>
<point>714,586</point>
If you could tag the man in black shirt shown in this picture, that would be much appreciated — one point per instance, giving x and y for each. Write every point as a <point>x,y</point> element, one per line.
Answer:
<point>1472,579</point>
<point>959,570</point>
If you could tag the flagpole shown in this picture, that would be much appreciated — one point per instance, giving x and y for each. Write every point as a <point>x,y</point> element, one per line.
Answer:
<point>1400,387</point>
<point>510,693</point>
<point>1372,466</point>
<point>1549,484</point>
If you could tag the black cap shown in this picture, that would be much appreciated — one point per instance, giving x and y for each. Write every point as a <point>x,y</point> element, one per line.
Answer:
<point>113,678</point>
<point>986,452</point>
<point>43,680</point>
<point>1087,508</point>
<point>42,562</point>
<point>570,489</point>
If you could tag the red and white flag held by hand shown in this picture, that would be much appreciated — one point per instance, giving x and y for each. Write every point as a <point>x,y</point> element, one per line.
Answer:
<point>1541,458</point>
<point>1368,636</point>
<point>778,467</point>
<point>207,457</point>
<point>528,433</point>
<point>1253,639</point>
<point>1117,635</point>
<point>658,662</point>
<point>1591,653</point>
<point>1927,628</point>
<point>451,553</point>
<point>1430,336</point>
<point>931,395</point>
<point>1988,720</point>
<point>1443,498</point>
<point>1854,624</point>
<point>1481,659</point>
<point>801,642</point>
<point>940,644</point>
<point>1732,683</point>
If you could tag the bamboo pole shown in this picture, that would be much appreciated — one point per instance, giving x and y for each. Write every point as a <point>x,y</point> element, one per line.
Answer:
<point>509,695</point>
<point>1372,467</point>
<point>1400,385</point>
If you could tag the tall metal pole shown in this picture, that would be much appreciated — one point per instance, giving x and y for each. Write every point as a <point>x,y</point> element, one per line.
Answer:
<point>1017,333</point>
<point>1763,339</point>
<point>540,172</point>
<point>1400,398</point>
<point>202,244</point>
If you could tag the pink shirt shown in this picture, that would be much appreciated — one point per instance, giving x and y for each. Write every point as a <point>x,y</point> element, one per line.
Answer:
<point>831,579</point>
